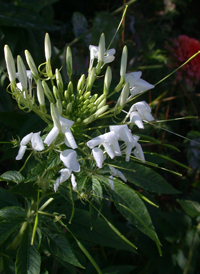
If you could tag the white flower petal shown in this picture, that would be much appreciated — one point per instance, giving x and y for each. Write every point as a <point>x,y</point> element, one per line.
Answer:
<point>109,150</point>
<point>21,152</point>
<point>70,139</point>
<point>132,77</point>
<point>138,152</point>
<point>26,139</point>
<point>136,119</point>
<point>64,176</point>
<point>64,122</point>
<point>98,156</point>
<point>95,141</point>
<point>51,136</point>
<point>36,142</point>
<point>109,137</point>
<point>69,159</point>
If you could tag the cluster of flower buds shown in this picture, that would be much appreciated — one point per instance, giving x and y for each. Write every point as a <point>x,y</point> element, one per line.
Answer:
<point>73,108</point>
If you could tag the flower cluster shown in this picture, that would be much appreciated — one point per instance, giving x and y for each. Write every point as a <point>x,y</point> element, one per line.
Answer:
<point>71,110</point>
<point>182,49</point>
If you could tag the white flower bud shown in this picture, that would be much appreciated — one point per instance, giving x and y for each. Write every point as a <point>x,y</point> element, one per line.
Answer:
<point>31,63</point>
<point>40,93</point>
<point>123,61</point>
<point>101,48</point>
<point>47,47</point>
<point>69,61</point>
<point>107,80</point>
<point>22,73</point>
<point>10,64</point>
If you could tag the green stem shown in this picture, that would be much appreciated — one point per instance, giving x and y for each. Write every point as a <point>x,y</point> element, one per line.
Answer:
<point>36,219</point>
<point>25,162</point>
<point>190,253</point>
<point>46,204</point>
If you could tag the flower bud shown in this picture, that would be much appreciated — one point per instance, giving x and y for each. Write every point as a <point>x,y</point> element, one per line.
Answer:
<point>47,47</point>
<point>100,111</point>
<point>59,80</point>
<point>40,93</point>
<point>81,83</point>
<point>48,92</point>
<point>88,120</point>
<point>93,98</point>
<point>86,95</point>
<point>70,88</point>
<point>124,95</point>
<point>101,98</point>
<point>123,61</point>
<point>55,116</point>
<point>59,107</point>
<point>69,62</point>
<point>10,64</point>
<point>31,64</point>
<point>69,108</point>
<point>56,93</point>
<point>101,48</point>
<point>91,78</point>
<point>101,104</point>
<point>22,72</point>
<point>107,80</point>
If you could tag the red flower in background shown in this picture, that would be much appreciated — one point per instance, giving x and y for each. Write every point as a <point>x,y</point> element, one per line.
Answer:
<point>184,47</point>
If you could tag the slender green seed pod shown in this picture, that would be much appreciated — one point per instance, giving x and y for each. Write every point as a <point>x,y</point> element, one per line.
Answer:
<point>59,107</point>
<point>56,93</point>
<point>40,93</point>
<point>55,116</point>
<point>98,101</point>
<point>103,102</point>
<point>10,64</point>
<point>48,92</point>
<point>59,80</point>
<point>69,62</point>
<point>31,64</point>
<point>22,72</point>
<point>123,61</point>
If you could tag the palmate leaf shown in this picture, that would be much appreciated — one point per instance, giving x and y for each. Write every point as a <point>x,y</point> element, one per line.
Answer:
<point>28,259</point>
<point>145,178</point>
<point>7,198</point>
<point>7,228</point>
<point>60,246</point>
<point>101,233</point>
<point>13,212</point>
<point>131,206</point>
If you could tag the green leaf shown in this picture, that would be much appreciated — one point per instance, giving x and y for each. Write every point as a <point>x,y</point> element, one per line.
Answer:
<point>100,234</point>
<point>146,178</point>
<point>60,246</point>
<point>96,190</point>
<point>191,208</point>
<point>13,212</point>
<point>107,24</point>
<point>12,176</point>
<point>131,206</point>
<point>28,259</point>
<point>80,27</point>
<point>7,228</point>
<point>7,198</point>
<point>16,16</point>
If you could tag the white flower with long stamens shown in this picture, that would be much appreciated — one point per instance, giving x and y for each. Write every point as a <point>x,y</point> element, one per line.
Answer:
<point>109,142</point>
<point>137,85</point>
<point>60,124</point>
<point>94,52</point>
<point>98,156</point>
<point>36,143</point>
<point>123,133</point>
<point>138,112</point>
<point>69,159</point>
<point>116,172</point>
